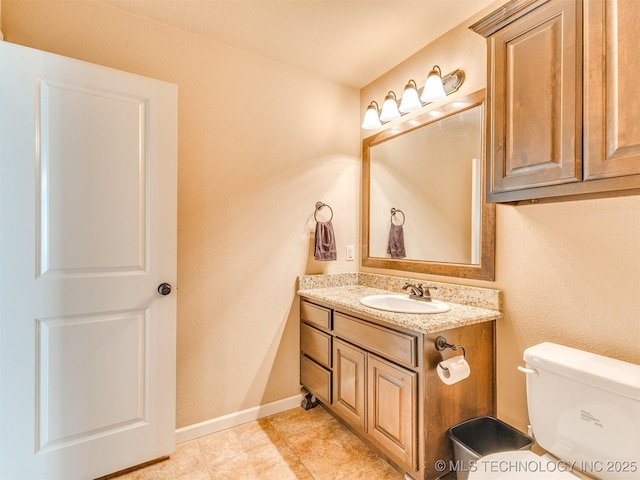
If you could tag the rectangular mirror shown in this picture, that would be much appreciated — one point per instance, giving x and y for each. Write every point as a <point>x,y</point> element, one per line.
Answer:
<point>426,175</point>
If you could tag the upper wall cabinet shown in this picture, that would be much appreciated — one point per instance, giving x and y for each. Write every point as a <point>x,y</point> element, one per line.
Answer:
<point>562,115</point>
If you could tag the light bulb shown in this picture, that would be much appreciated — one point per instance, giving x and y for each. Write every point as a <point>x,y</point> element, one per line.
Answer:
<point>410,100</point>
<point>389,108</point>
<point>371,119</point>
<point>433,87</point>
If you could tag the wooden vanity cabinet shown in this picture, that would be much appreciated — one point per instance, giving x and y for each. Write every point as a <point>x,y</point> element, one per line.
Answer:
<point>561,117</point>
<point>384,386</point>
<point>390,394</point>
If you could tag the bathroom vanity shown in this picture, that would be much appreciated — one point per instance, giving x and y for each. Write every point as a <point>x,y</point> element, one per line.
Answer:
<point>375,370</point>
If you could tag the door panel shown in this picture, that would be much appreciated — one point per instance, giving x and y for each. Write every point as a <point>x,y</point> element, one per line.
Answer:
<point>92,190</point>
<point>88,232</point>
<point>611,130</point>
<point>108,388</point>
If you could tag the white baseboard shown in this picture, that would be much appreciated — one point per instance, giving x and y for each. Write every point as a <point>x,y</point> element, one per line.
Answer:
<point>214,425</point>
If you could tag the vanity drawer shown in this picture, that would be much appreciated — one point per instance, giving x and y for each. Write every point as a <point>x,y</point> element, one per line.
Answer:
<point>315,315</point>
<point>396,346</point>
<point>315,344</point>
<point>315,378</point>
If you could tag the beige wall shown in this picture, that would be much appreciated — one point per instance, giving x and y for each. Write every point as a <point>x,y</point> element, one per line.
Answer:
<point>569,272</point>
<point>259,144</point>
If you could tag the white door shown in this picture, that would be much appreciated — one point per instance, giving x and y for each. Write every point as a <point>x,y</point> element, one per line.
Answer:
<point>87,233</point>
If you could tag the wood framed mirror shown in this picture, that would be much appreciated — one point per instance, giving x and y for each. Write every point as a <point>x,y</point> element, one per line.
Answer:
<point>427,173</point>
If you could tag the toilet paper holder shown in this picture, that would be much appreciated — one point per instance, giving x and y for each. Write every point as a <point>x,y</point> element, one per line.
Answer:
<point>442,344</point>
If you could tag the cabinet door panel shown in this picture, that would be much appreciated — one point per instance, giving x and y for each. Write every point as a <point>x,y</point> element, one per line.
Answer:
<point>349,382</point>
<point>612,129</point>
<point>535,104</point>
<point>392,409</point>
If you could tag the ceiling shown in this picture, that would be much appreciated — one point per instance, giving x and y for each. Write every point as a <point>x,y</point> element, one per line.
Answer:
<point>352,42</point>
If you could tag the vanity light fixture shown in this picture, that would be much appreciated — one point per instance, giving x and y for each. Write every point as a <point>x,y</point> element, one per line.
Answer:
<point>436,87</point>
<point>371,117</point>
<point>389,108</point>
<point>433,87</point>
<point>410,100</point>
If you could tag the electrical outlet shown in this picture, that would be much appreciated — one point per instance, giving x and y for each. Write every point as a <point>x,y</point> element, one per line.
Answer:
<point>350,252</point>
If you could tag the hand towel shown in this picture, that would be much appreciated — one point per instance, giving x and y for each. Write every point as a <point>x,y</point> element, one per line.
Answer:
<point>396,242</point>
<point>325,245</point>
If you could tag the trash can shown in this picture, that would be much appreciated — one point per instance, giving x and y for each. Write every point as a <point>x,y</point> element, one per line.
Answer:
<point>481,436</point>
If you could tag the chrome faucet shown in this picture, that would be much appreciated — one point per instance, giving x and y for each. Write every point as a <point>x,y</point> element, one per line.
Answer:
<point>418,292</point>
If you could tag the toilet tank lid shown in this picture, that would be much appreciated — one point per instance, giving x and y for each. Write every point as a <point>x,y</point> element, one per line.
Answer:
<point>599,371</point>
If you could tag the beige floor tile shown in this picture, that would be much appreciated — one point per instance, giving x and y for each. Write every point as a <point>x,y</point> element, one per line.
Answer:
<point>158,471</point>
<point>270,462</point>
<point>331,452</point>
<point>297,420</point>
<point>222,446</point>
<point>187,462</point>
<point>293,445</point>
<point>188,459</point>
<point>201,474</point>
<point>379,470</point>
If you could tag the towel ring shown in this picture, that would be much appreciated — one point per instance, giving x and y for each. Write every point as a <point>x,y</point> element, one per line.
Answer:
<point>320,206</point>
<point>393,214</point>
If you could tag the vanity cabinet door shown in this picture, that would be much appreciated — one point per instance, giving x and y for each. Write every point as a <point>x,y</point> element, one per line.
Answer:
<point>562,115</point>
<point>611,126</point>
<point>349,382</point>
<point>392,409</point>
<point>535,101</point>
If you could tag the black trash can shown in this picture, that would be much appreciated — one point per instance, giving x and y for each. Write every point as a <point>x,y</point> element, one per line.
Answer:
<point>481,436</point>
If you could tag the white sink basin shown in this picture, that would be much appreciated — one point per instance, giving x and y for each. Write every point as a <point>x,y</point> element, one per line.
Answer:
<point>403,304</point>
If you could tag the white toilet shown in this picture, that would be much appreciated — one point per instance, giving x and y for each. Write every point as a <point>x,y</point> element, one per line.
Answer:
<point>584,411</point>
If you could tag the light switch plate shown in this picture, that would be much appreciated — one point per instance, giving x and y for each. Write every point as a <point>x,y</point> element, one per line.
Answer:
<point>350,252</point>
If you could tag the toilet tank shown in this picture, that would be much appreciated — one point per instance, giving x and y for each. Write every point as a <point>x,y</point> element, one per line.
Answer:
<point>585,408</point>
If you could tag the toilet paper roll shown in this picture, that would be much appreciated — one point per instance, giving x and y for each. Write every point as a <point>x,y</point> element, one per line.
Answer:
<point>453,370</point>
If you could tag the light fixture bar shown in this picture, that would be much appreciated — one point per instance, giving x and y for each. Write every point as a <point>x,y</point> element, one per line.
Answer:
<point>451,82</point>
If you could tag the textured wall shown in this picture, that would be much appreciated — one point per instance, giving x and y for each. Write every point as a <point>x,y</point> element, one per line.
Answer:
<point>252,164</point>
<point>570,272</point>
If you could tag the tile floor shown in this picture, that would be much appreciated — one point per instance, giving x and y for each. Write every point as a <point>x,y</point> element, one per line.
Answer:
<point>296,444</point>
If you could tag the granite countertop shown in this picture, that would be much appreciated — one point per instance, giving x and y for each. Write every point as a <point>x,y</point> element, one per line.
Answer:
<point>346,298</point>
